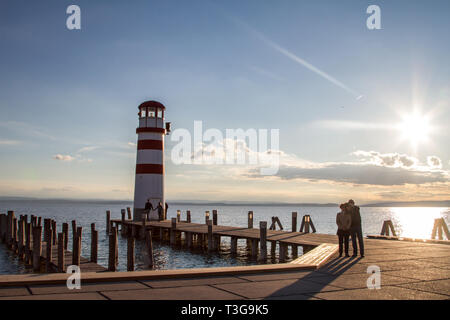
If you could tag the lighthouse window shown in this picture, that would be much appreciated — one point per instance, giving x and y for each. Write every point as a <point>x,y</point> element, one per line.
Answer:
<point>159,113</point>
<point>143,113</point>
<point>151,113</point>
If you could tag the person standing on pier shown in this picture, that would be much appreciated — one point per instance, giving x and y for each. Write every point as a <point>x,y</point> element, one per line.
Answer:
<point>160,211</point>
<point>148,208</point>
<point>343,221</point>
<point>356,228</point>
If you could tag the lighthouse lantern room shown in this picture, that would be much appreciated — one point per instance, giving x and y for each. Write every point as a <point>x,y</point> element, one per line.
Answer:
<point>149,183</point>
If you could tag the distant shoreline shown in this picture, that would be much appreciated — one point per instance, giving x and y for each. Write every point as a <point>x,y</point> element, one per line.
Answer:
<point>444,203</point>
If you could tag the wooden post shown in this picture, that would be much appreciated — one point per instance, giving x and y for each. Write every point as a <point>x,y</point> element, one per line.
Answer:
<point>294,221</point>
<point>178,215</point>
<point>55,233</point>
<point>263,240</point>
<point>189,239</point>
<point>108,221</point>
<point>123,229</point>
<point>37,248</point>
<point>74,239</point>
<point>150,257</point>
<point>112,250</point>
<point>312,225</point>
<point>439,223</point>
<point>61,252</point>
<point>129,213</point>
<point>254,248</point>
<point>250,219</point>
<point>47,228</point>
<point>250,225</point>
<point>188,216</point>
<point>210,237</point>
<point>130,253</point>
<point>233,248</point>
<point>143,227</point>
<point>21,239</point>
<point>1,226</point>
<point>65,229</point>
<point>14,237</point>
<point>206,217</point>
<point>445,228</point>
<point>39,222</point>
<point>307,218</point>
<point>94,243</point>
<point>294,248</point>
<point>28,237</point>
<point>283,252</point>
<point>48,257</point>
<point>77,247</point>
<point>273,248</point>
<point>173,231</point>
<point>215,218</point>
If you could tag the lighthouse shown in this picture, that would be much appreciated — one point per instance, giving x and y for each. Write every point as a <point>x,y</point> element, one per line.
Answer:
<point>149,183</point>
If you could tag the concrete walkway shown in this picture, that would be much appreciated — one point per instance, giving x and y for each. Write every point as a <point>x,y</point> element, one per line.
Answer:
<point>408,271</point>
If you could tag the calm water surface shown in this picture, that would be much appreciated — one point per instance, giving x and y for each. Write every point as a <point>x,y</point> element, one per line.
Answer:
<point>412,222</point>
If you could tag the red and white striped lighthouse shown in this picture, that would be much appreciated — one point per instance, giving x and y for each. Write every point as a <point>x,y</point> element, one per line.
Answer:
<point>149,184</point>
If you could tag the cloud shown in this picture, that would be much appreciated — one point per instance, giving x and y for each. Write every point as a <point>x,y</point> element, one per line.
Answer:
<point>63,157</point>
<point>7,142</point>
<point>371,168</point>
<point>434,162</point>
<point>132,144</point>
<point>87,149</point>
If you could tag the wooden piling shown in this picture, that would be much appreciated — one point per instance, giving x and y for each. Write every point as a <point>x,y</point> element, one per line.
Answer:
<point>263,240</point>
<point>37,248</point>
<point>28,238</point>
<point>173,231</point>
<point>112,266</point>
<point>144,220</point>
<point>61,252</point>
<point>215,217</point>
<point>149,248</point>
<point>130,253</point>
<point>210,237</point>
<point>294,249</point>
<point>254,248</point>
<point>94,243</point>
<point>74,239</point>
<point>49,250</point>
<point>76,258</point>
<point>55,233</point>
<point>14,238</point>
<point>233,247</point>
<point>129,213</point>
<point>283,252</point>
<point>250,219</point>
<point>206,217</point>
<point>123,229</point>
<point>65,229</point>
<point>108,221</point>
<point>189,239</point>
<point>188,216</point>
<point>273,248</point>
<point>294,221</point>
<point>178,215</point>
<point>21,239</point>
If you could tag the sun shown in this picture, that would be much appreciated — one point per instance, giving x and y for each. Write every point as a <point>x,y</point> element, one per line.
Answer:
<point>415,128</point>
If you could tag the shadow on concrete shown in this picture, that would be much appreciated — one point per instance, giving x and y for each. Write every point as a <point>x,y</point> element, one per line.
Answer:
<point>304,287</point>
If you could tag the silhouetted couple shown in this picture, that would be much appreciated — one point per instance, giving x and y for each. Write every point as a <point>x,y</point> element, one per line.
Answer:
<point>349,224</point>
<point>161,211</point>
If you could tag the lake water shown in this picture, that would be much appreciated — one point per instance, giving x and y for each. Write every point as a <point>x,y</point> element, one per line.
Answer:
<point>411,222</point>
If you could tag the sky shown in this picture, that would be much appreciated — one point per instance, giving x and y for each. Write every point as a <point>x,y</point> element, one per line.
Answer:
<point>361,113</point>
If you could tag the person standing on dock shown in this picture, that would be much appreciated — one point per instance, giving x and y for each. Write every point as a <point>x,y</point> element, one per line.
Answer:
<point>165,211</point>
<point>356,228</point>
<point>148,208</point>
<point>160,211</point>
<point>344,222</point>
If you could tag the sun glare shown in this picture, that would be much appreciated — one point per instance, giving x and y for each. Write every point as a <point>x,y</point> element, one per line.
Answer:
<point>415,128</point>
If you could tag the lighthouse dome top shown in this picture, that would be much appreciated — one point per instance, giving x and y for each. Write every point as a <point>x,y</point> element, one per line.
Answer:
<point>152,104</point>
